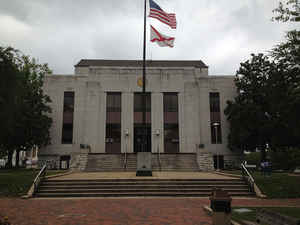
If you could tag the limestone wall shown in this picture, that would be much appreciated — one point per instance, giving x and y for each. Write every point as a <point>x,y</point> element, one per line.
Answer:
<point>91,84</point>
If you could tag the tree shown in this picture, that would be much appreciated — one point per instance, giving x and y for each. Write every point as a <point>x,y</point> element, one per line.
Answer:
<point>247,114</point>
<point>287,11</point>
<point>267,106</point>
<point>25,119</point>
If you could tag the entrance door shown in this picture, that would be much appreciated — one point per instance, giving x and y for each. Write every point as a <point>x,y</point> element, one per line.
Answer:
<point>219,162</point>
<point>139,144</point>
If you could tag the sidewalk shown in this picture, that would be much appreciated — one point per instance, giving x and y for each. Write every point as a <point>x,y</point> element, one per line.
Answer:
<point>129,211</point>
<point>155,175</point>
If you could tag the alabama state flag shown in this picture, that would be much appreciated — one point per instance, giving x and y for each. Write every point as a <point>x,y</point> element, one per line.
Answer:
<point>160,39</point>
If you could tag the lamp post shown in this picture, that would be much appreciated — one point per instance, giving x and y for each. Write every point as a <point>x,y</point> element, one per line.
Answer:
<point>215,125</point>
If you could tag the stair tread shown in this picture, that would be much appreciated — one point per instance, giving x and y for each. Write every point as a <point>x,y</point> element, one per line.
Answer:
<point>184,194</point>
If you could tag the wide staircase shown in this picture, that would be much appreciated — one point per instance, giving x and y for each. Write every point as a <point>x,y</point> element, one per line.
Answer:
<point>140,187</point>
<point>160,162</point>
<point>106,162</point>
<point>183,162</point>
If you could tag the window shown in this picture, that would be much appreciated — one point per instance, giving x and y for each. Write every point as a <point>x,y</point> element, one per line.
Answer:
<point>215,118</point>
<point>142,135</point>
<point>171,131</point>
<point>113,102</point>
<point>68,114</point>
<point>138,102</point>
<point>113,122</point>
<point>214,101</point>
<point>113,133</point>
<point>170,102</point>
<point>216,134</point>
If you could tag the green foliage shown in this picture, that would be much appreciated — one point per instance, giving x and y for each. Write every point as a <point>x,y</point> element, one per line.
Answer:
<point>251,216</point>
<point>267,106</point>
<point>16,182</point>
<point>253,158</point>
<point>287,11</point>
<point>279,185</point>
<point>24,119</point>
<point>285,158</point>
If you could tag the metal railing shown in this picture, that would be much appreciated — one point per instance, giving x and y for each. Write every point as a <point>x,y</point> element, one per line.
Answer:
<point>38,178</point>
<point>158,155</point>
<point>125,158</point>
<point>248,177</point>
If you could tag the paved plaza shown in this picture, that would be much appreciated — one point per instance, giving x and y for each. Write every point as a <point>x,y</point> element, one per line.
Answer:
<point>132,175</point>
<point>129,211</point>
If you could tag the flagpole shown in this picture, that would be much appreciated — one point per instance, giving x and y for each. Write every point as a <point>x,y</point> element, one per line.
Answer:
<point>144,166</point>
<point>144,84</point>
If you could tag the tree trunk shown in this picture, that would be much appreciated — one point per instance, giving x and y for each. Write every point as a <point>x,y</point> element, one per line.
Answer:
<point>17,158</point>
<point>9,160</point>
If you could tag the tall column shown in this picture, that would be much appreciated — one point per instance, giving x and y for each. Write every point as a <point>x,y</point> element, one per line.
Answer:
<point>92,115</point>
<point>127,122</point>
<point>101,124</point>
<point>181,125</point>
<point>157,122</point>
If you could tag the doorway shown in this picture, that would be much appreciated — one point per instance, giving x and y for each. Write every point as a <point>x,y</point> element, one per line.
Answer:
<point>139,134</point>
<point>219,162</point>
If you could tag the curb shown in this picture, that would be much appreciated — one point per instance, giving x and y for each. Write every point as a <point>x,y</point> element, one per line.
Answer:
<point>228,174</point>
<point>59,175</point>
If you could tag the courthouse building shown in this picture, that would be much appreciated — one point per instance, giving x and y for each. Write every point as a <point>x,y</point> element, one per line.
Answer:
<point>98,110</point>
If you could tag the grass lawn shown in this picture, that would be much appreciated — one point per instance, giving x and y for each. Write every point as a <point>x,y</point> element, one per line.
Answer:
<point>251,216</point>
<point>16,182</point>
<point>279,185</point>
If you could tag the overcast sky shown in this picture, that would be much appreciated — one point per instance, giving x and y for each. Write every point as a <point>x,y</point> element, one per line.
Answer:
<point>222,33</point>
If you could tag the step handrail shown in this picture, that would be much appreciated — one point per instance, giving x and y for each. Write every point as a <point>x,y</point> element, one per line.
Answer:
<point>38,178</point>
<point>159,162</point>
<point>125,158</point>
<point>248,177</point>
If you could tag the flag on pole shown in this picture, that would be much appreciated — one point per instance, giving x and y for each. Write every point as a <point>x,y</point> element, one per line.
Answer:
<point>162,40</point>
<point>166,18</point>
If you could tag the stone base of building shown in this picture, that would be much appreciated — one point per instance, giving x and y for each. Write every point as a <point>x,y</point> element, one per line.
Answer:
<point>188,162</point>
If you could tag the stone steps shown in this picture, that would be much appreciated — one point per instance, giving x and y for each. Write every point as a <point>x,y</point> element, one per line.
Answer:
<point>115,162</point>
<point>141,194</point>
<point>175,162</point>
<point>140,187</point>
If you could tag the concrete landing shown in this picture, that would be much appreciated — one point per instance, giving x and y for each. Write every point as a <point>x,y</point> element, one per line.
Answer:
<point>132,175</point>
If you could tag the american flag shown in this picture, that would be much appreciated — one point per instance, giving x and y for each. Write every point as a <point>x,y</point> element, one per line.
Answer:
<point>157,13</point>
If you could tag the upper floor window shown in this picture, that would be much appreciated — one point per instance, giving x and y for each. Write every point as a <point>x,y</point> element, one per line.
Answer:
<point>113,102</point>
<point>214,102</point>
<point>138,102</point>
<point>68,114</point>
<point>170,102</point>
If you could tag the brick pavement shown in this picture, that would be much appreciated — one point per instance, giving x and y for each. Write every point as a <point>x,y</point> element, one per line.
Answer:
<point>129,211</point>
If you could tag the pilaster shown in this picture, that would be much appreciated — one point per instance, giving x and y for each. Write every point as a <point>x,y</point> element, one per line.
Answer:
<point>127,123</point>
<point>157,122</point>
<point>181,124</point>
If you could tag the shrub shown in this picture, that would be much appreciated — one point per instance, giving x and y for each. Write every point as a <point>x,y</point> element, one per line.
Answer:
<point>285,158</point>
<point>253,158</point>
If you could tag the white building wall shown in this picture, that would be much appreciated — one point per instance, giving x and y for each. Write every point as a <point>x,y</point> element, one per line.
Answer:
<point>127,122</point>
<point>157,124</point>
<point>190,119</point>
<point>91,85</point>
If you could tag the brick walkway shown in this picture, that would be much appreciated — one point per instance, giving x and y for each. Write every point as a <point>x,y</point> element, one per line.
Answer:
<point>131,211</point>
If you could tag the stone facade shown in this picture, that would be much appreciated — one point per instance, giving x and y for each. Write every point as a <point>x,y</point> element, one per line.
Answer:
<point>93,79</point>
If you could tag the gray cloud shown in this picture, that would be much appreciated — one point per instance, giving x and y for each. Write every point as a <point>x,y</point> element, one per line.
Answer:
<point>221,33</point>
